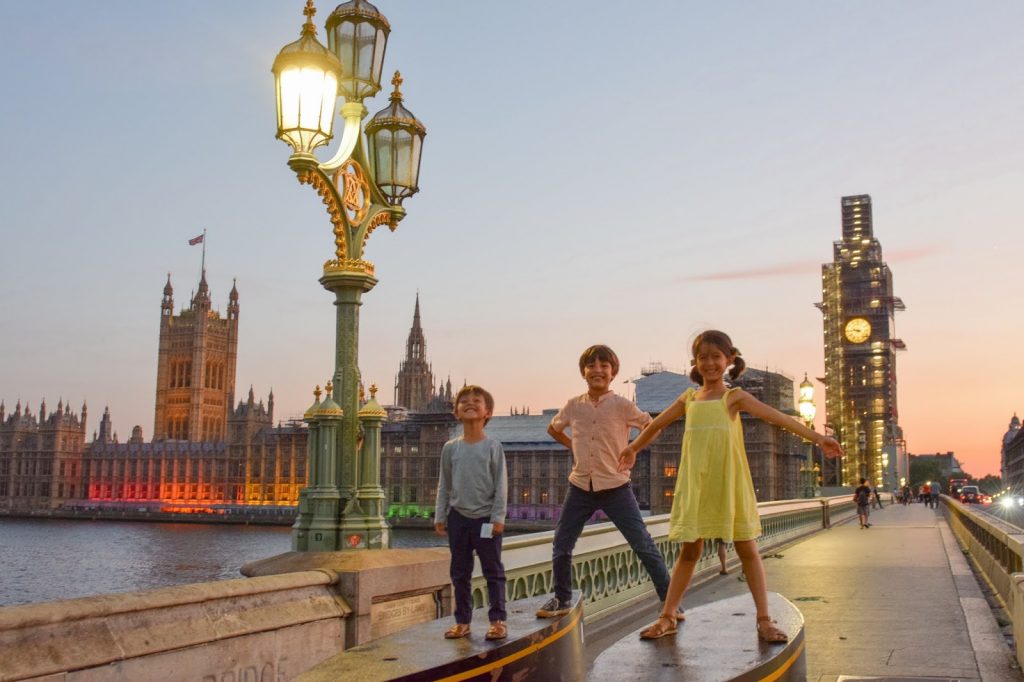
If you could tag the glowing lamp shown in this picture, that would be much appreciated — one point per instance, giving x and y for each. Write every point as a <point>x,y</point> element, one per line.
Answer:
<point>395,142</point>
<point>306,78</point>
<point>357,34</point>
<point>806,402</point>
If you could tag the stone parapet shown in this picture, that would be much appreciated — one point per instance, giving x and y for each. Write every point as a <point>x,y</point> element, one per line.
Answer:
<point>232,629</point>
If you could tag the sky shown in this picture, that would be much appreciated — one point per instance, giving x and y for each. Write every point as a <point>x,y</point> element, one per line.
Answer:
<point>592,173</point>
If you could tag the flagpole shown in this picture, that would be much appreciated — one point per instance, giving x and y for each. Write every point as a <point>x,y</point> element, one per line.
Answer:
<point>204,251</point>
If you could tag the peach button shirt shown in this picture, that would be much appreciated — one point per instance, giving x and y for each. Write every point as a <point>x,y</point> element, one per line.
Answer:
<point>599,432</point>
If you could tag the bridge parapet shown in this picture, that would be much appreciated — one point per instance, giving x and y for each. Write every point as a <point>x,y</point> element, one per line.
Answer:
<point>997,550</point>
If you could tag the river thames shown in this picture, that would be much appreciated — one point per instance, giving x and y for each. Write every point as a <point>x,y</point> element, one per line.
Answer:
<point>49,559</point>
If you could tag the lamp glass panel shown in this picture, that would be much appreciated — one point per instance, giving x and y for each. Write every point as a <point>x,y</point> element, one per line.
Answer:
<point>360,48</point>
<point>306,98</point>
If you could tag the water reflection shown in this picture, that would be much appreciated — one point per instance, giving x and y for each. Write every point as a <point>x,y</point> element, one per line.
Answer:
<point>45,560</point>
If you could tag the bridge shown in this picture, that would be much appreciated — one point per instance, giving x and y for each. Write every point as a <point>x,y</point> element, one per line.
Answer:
<point>896,601</point>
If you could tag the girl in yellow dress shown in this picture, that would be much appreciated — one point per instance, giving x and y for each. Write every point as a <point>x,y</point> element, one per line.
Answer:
<point>714,496</point>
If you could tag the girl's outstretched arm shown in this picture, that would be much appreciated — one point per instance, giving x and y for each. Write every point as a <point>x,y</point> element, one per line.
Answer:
<point>741,400</point>
<point>627,458</point>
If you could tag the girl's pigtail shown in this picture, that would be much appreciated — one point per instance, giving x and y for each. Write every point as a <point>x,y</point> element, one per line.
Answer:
<point>738,365</point>
<point>695,377</point>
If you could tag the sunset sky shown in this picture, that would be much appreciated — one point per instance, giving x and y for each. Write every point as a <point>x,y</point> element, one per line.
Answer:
<point>591,173</point>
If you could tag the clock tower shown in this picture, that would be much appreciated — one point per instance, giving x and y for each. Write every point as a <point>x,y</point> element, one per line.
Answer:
<point>859,309</point>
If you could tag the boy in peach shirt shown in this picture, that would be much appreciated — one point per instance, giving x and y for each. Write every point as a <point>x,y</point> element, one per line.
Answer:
<point>599,421</point>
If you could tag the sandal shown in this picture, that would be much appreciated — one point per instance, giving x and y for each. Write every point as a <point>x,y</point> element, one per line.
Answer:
<point>767,631</point>
<point>498,630</point>
<point>657,630</point>
<point>457,631</point>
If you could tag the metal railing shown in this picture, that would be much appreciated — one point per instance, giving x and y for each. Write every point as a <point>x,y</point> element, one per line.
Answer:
<point>608,572</point>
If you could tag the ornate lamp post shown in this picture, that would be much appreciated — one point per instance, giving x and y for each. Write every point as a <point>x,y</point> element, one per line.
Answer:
<point>807,411</point>
<point>342,506</point>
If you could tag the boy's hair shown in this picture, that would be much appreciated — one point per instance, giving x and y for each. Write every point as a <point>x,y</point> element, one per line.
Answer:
<point>473,389</point>
<point>722,342</point>
<point>599,352</point>
<point>863,481</point>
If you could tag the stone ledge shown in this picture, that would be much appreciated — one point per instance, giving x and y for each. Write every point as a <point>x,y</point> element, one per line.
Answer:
<point>79,634</point>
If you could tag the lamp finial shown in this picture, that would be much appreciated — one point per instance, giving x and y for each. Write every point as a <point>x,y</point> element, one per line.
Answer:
<point>397,81</point>
<point>309,27</point>
<point>373,391</point>
<point>317,392</point>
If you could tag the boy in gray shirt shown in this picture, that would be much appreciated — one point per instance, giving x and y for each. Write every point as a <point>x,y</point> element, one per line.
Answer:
<point>471,501</point>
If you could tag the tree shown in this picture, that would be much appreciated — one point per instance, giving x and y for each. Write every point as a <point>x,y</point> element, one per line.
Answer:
<point>924,471</point>
<point>989,485</point>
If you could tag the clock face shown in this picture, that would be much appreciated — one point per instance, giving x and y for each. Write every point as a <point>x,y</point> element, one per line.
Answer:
<point>857,330</point>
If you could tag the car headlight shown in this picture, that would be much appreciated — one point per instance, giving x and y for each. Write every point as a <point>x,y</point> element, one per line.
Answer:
<point>1008,501</point>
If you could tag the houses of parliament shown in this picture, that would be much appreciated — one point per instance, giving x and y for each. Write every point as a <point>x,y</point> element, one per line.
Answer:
<point>213,454</point>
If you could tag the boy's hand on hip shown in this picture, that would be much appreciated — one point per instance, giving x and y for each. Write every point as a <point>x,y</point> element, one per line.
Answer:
<point>499,528</point>
<point>627,458</point>
<point>439,528</point>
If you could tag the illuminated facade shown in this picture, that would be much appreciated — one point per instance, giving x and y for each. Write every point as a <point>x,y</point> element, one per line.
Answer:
<point>257,465</point>
<point>859,309</point>
<point>195,376</point>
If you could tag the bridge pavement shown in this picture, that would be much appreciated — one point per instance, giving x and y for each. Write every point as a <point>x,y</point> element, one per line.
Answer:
<point>897,600</point>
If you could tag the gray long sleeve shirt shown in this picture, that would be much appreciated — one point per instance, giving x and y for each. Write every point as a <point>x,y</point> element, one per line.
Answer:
<point>473,480</point>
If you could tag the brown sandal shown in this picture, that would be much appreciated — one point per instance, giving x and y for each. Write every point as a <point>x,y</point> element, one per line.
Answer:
<point>498,630</point>
<point>457,631</point>
<point>767,631</point>
<point>656,630</point>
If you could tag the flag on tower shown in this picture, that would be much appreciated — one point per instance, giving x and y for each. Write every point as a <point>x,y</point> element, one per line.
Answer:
<point>196,240</point>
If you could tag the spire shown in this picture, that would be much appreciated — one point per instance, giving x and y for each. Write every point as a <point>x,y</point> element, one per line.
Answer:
<point>42,410</point>
<point>202,295</point>
<point>416,314</point>
<point>167,303</point>
<point>252,396</point>
<point>105,426</point>
<point>2,411</point>
<point>233,296</point>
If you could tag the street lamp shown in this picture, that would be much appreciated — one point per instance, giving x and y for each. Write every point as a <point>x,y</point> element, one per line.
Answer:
<point>807,411</point>
<point>342,506</point>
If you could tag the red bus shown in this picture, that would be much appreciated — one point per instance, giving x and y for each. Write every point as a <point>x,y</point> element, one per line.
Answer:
<point>955,484</point>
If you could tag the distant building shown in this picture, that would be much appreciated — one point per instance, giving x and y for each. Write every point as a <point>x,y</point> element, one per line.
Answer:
<point>206,454</point>
<point>948,464</point>
<point>195,375</point>
<point>1012,457</point>
<point>42,457</point>
<point>858,309</point>
<point>414,385</point>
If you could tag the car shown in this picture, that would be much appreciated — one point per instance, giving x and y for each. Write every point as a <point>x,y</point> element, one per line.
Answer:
<point>970,494</point>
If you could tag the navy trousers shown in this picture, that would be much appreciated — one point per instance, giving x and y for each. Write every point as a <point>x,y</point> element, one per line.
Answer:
<point>619,504</point>
<point>464,539</point>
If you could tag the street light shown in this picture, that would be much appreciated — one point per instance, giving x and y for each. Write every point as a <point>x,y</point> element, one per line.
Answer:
<point>807,411</point>
<point>342,506</point>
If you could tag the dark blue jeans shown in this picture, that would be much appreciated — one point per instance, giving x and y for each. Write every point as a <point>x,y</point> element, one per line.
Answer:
<point>464,539</point>
<point>619,504</point>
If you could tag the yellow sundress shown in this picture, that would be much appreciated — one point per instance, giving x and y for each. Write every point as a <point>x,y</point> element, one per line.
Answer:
<point>714,495</point>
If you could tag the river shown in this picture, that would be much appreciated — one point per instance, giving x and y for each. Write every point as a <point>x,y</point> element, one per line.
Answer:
<point>50,559</point>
